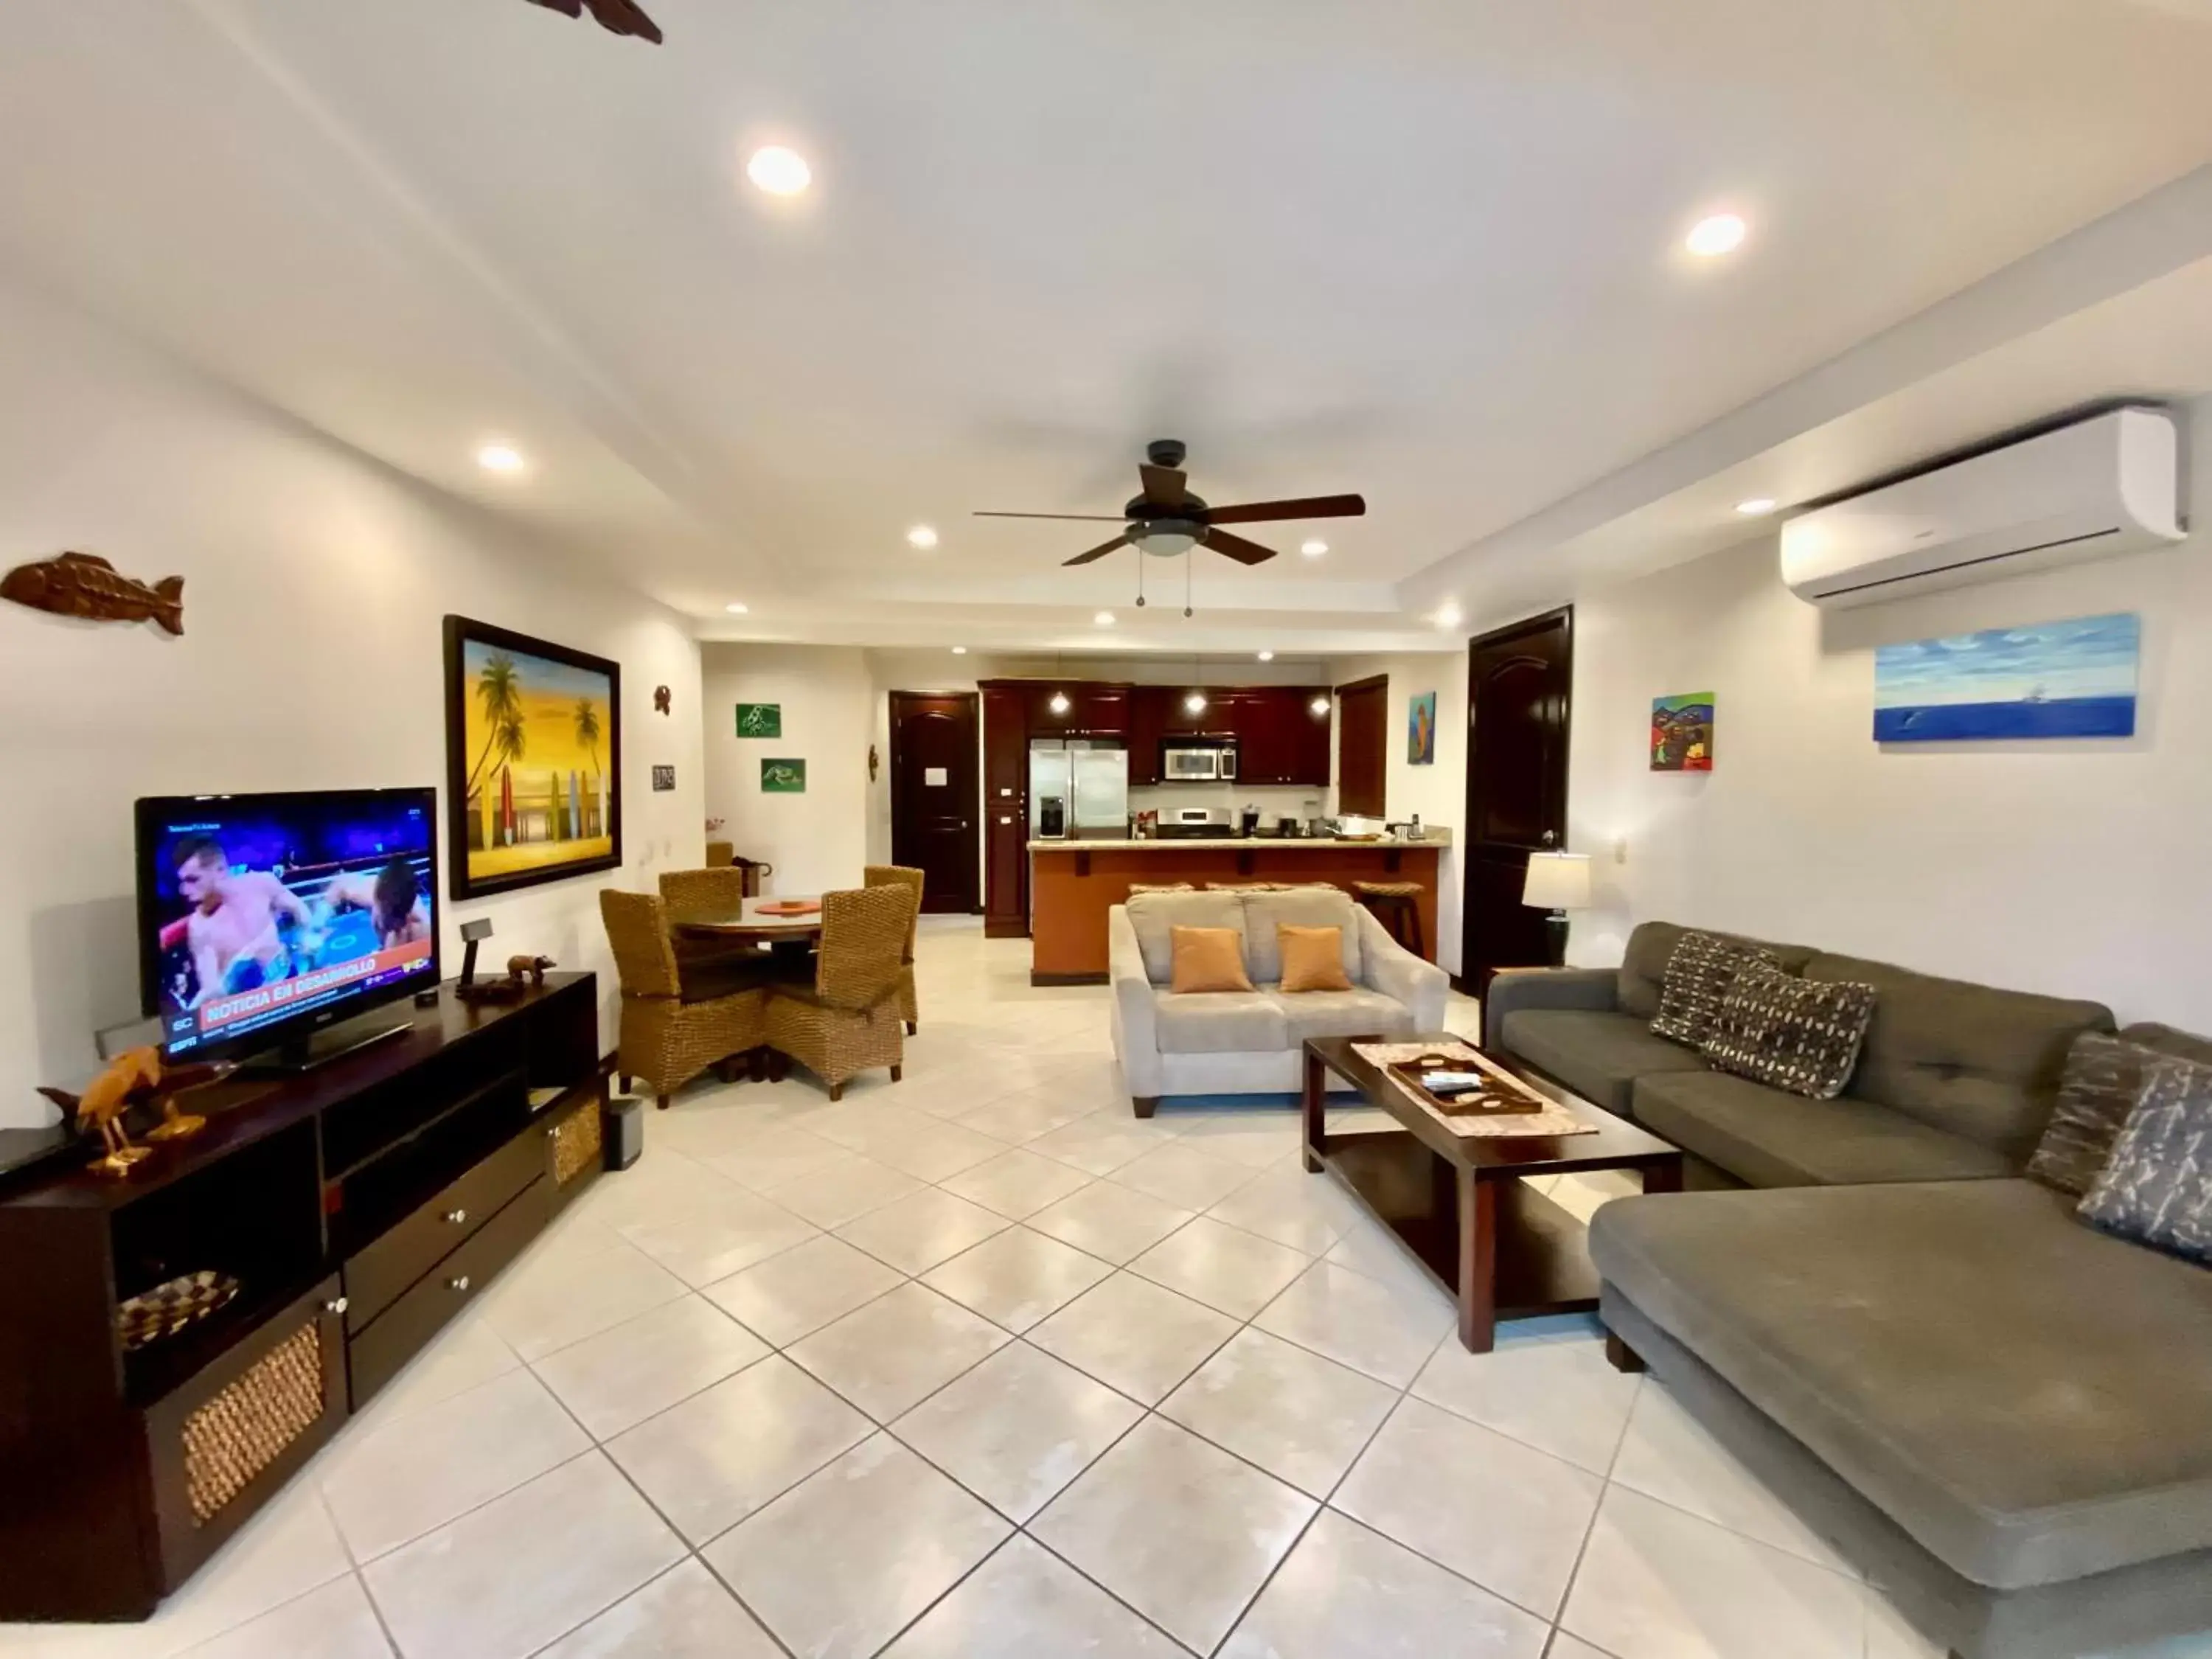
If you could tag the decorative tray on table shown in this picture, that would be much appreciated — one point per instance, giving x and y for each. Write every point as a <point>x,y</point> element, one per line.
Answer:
<point>1465,1085</point>
<point>788,907</point>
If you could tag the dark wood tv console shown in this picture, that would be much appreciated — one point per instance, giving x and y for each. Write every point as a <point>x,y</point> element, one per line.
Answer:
<point>361,1206</point>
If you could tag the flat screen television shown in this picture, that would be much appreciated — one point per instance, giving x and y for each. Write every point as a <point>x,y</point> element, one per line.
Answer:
<point>263,919</point>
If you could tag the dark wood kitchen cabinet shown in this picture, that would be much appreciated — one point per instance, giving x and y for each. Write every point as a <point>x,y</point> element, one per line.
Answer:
<point>1281,740</point>
<point>1148,724</point>
<point>1314,721</point>
<point>1092,711</point>
<point>1006,810</point>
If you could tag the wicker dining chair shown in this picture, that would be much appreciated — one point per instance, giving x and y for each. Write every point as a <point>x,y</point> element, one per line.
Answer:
<point>720,852</point>
<point>710,892</point>
<point>676,1022</point>
<point>899,875</point>
<point>703,892</point>
<point>848,1020</point>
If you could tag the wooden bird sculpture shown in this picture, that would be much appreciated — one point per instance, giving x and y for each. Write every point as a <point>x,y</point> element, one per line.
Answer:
<point>132,1079</point>
<point>616,16</point>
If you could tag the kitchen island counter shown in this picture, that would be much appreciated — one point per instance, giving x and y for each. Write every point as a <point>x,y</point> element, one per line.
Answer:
<point>1433,838</point>
<point>1073,883</point>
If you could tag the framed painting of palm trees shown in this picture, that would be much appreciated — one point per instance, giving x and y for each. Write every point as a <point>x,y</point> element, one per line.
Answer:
<point>533,760</point>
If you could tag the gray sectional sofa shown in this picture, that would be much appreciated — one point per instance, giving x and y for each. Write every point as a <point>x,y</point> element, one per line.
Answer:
<point>2002,1415</point>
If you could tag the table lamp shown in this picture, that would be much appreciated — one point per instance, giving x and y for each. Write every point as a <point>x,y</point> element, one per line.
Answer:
<point>1558,882</point>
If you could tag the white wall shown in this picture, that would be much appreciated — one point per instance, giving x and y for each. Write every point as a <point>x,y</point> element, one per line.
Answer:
<point>315,584</point>
<point>819,839</point>
<point>1437,792</point>
<point>2076,867</point>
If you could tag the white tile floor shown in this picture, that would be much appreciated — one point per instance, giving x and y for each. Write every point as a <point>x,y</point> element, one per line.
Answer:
<point>978,1366</point>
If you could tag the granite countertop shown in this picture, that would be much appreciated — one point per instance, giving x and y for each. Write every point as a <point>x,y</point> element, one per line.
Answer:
<point>1436,837</point>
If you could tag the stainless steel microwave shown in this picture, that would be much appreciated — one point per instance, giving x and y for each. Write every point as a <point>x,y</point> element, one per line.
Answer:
<point>1195,762</point>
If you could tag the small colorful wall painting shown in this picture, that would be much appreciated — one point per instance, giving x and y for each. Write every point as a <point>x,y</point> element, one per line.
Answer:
<point>2063,679</point>
<point>760,719</point>
<point>1421,729</point>
<point>783,777</point>
<point>1682,732</point>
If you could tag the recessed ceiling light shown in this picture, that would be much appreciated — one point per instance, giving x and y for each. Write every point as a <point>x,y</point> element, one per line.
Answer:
<point>1267,656</point>
<point>1723,232</point>
<point>921,536</point>
<point>1757,507</point>
<point>1104,619</point>
<point>778,171</point>
<point>498,458</point>
<point>1313,549</point>
<point>736,610</point>
<point>959,650</point>
<point>1447,615</point>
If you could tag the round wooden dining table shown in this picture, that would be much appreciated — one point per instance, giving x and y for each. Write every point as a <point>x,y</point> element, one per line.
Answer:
<point>749,921</point>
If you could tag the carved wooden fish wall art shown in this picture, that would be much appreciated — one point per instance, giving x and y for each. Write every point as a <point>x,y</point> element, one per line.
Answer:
<point>86,586</point>
<point>616,16</point>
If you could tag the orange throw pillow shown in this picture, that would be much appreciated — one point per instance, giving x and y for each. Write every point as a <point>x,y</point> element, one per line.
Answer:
<point>1312,958</point>
<point>1207,959</point>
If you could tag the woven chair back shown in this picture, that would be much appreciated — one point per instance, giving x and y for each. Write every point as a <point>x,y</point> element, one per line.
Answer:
<point>863,934</point>
<point>689,893</point>
<point>899,875</point>
<point>637,929</point>
<point>720,853</point>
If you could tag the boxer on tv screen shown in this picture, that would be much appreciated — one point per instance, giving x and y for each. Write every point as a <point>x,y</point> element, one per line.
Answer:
<point>271,908</point>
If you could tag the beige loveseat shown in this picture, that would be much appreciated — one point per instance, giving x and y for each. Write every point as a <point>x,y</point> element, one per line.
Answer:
<point>1248,1042</point>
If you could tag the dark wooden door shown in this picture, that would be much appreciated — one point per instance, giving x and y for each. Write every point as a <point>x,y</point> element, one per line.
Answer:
<point>1519,696</point>
<point>933,795</point>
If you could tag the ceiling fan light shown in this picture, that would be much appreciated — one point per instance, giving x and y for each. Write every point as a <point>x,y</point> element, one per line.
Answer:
<point>1165,538</point>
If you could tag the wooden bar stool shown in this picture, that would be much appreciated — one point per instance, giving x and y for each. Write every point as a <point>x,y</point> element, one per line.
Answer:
<point>1397,905</point>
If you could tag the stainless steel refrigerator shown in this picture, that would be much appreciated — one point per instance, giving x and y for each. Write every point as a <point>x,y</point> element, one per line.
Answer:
<point>1079,788</point>
<point>1089,777</point>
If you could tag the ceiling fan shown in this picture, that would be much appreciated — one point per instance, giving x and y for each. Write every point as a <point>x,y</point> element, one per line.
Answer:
<point>1165,518</point>
<point>617,17</point>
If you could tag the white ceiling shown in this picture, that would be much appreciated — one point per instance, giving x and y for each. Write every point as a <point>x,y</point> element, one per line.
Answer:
<point>1425,249</point>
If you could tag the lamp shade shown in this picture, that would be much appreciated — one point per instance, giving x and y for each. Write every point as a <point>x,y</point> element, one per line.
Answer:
<point>1557,881</point>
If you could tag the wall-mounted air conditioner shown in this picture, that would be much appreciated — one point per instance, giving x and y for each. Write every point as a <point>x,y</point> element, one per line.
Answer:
<point>2103,486</point>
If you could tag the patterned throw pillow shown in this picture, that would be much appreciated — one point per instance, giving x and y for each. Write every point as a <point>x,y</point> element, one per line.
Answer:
<point>2103,1079</point>
<point>1699,971</point>
<point>2157,1188</point>
<point>1802,1035</point>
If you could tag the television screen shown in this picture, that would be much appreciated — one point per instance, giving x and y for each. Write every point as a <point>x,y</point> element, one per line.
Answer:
<point>265,915</point>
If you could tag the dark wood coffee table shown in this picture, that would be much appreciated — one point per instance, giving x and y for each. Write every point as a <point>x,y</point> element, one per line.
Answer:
<point>1462,1203</point>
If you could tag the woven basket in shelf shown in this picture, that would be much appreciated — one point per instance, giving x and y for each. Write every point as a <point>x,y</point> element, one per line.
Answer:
<point>246,1427</point>
<point>576,1145</point>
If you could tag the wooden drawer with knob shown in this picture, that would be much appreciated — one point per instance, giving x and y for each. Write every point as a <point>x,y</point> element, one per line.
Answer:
<point>380,1272</point>
<point>378,1353</point>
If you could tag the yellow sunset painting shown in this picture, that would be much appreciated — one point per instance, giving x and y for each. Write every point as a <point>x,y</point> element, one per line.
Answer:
<point>537,744</point>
